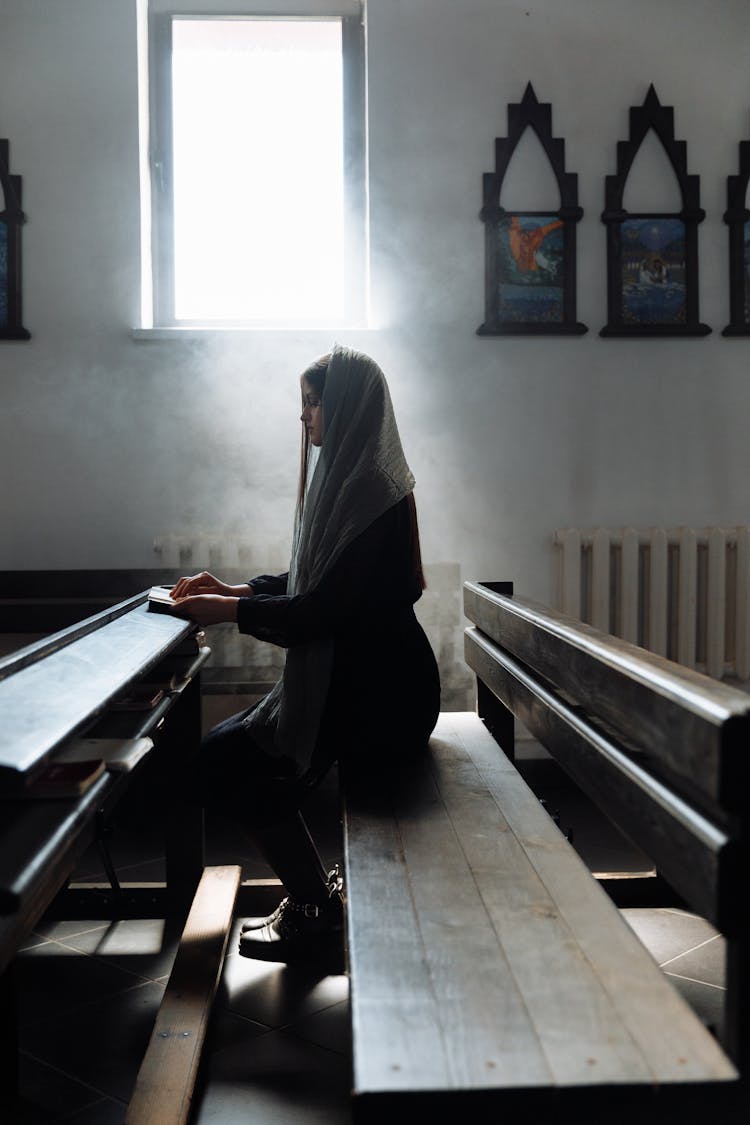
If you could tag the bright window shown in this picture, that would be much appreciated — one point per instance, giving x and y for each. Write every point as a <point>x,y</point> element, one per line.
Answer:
<point>257,171</point>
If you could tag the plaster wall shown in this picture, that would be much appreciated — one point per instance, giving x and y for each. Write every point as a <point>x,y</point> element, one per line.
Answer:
<point>107,440</point>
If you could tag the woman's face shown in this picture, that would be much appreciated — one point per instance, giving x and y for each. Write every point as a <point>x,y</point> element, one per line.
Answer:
<point>312,413</point>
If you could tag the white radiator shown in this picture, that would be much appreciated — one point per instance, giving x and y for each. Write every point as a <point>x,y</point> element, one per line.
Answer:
<point>681,592</point>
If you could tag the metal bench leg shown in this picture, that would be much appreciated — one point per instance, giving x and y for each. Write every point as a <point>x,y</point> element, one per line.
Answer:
<point>498,720</point>
<point>103,830</point>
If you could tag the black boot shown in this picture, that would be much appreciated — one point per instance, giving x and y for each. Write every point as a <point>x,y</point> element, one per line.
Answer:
<point>298,932</point>
<point>258,923</point>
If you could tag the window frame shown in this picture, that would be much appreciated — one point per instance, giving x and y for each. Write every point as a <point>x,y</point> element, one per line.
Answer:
<point>158,240</point>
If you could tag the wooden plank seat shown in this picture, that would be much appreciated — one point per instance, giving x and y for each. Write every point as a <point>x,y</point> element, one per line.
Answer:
<point>489,970</point>
<point>166,1080</point>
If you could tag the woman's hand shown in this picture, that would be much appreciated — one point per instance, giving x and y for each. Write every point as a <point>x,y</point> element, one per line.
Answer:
<point>207,609</point>
<point>205,583</point>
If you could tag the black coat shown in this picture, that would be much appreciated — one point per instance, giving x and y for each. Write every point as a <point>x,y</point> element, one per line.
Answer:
<point>384,692</point>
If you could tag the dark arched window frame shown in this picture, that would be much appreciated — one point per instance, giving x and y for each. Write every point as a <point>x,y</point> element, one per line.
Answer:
<point>536,321</point>
<point>11,221</point>
<point>624,298</point>
<point>737,218</point>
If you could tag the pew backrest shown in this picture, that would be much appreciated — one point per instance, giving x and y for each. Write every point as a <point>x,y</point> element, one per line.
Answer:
<point>661,749</point>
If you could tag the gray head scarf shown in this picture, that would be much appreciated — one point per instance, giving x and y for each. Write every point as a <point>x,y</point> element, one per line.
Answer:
<point>360,473</point>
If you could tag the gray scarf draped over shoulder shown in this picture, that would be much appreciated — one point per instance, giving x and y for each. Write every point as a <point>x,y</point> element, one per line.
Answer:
<point>360,473</point>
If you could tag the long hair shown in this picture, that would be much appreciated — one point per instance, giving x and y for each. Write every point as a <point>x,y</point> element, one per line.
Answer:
<point>315,375</point>
<point>416,551</point>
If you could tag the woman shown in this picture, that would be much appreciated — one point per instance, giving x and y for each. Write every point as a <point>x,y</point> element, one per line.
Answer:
<point>360,682</point>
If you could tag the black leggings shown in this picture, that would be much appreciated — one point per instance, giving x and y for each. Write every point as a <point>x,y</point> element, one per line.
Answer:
<point>232,775</point>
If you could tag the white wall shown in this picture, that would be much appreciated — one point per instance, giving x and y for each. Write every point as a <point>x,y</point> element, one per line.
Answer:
<point>108,441</point>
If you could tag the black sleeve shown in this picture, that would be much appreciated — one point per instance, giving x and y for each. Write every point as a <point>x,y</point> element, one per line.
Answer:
<point>269,584</point>
<point>371,579</point>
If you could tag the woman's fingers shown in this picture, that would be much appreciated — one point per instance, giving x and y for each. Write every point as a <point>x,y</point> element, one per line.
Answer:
<point>207,609</point>
<point>203,583</point>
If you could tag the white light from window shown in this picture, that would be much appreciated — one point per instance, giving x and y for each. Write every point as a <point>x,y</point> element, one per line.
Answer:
<point>258,170</point>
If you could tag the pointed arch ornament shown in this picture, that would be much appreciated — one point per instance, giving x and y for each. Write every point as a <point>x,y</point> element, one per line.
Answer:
<point>530,255</point>
<point>737,218</point>
<point>11,220</point>
<point>652,257</point>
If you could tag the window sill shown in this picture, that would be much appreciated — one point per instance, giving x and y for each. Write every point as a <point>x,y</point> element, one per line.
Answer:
<point>195,333</point>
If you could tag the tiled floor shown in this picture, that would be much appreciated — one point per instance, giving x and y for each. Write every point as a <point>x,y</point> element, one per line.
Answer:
<point>278,1051</point>
<point>89,992</point>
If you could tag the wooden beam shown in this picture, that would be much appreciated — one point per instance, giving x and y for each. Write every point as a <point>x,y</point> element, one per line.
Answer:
<point>166,1080</point>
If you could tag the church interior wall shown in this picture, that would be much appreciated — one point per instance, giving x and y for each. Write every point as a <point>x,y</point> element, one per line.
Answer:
<point>112,438</point>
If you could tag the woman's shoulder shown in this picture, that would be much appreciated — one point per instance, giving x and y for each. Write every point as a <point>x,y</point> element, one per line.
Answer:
<point>393,520</point>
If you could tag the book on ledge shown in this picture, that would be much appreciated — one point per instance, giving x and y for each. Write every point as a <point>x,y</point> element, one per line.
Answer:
<point>159,600</point>
<point>119,755</point>
<point>64,779</point>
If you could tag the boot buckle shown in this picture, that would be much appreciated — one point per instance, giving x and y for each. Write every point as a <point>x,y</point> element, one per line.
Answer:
<point>335,881</point>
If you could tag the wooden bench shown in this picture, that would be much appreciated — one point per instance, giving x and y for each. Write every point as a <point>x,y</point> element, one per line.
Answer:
<point>70,650</point>
<point>489,970</point>
<point>61,695</point>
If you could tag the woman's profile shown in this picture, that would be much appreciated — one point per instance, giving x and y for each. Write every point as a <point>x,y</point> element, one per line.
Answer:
<point>360,684</point>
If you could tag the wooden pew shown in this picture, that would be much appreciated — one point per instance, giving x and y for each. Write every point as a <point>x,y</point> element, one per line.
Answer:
<point>489,970</point>
<point>72,643</point>
<point>64,689</point>
<point>35,603</point>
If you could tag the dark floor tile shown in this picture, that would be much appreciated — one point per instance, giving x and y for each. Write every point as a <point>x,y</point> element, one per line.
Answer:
<point>142,946</point>
<point>706,1000</point>
<point>127,843</point>
<point>46,1094</point>
<point>54,979</point>
<point>275,1078</point>
<point>129,850</point>
<point>329,1028</point>
<point>668,933</point>
<point>21,1112</point>
<point>30,942</point>
<point>57,930</point>
<point>129,869</point>
<point>705,963</point>
<point>101,1043</point>
<point>104,1112</point>
<point>277,995</point>
<point>691,954</point>
<point>153,870</point>
<point>226,1029</point>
